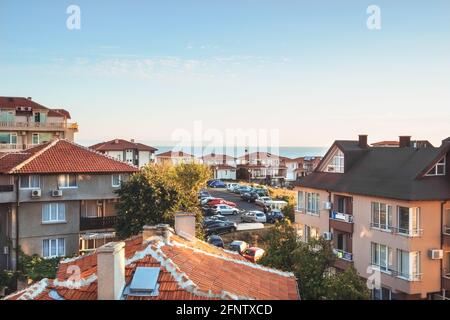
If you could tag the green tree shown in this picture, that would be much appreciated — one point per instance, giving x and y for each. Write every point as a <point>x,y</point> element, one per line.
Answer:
<point>347,285</point>
<point>35,267</point>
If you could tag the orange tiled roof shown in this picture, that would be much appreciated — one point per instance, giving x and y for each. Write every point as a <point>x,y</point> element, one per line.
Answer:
<point>175,154</point>
<point>198,271</point>
<point>121,144</point>
<point>60,156</point>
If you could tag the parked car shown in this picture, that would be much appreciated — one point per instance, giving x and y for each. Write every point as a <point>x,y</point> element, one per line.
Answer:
<point>254,216</point>
<point>239,246</point>
<point>224,209</point>
<point>208,211</point>
<point>216,201</point>
<point>217,217</point>
<point>220,227</point>
<point>203,194</point>
<point>250,196</point>
<point>276,205</point>
<point>253,254</point>
<point>217,184</point>
<point>272,217</point>
<point>204,201</point>
<point>243,189</point>
<point>261,192</point>
<point>215,240</point>
<point>262,201</point>
<point>232,185</point>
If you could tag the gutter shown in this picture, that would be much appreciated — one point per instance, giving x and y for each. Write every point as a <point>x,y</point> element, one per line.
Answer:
<point>442,247</point>
<point>16,182</point>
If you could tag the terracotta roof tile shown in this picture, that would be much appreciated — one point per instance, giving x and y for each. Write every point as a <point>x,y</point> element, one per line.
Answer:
<point>120,144</point>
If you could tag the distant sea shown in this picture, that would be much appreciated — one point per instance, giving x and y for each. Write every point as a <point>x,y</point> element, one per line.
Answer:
<point>289,152</point>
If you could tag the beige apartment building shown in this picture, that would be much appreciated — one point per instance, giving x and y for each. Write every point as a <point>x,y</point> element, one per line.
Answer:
<point>25,123</point>
<point>57,199</point>
<point>386,211</point>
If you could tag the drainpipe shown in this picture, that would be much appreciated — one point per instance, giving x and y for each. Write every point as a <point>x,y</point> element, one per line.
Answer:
<point>442,247</point>
<point>329,211</point>
<point>16,182</point>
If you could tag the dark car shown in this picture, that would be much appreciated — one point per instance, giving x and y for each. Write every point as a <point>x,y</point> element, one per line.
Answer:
<point>274,216</point>
<point>208,211</point>
<point>215,240</point>
<point>203,194</point>
<point>217,184</point>
<point>249,196</point>
<point>220,227</point>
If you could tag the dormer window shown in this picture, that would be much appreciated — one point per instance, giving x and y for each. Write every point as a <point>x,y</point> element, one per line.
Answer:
<point>337,163</point>
<point>438,169</point>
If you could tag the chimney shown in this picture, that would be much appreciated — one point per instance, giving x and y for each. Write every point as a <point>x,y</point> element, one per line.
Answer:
<point>132,140</point>
<point>116,141</point>
<point>110,271</point>
<point>404,141</point>
<point>362,141</point>
<point>185,225</point>
<point>29,98</point>
<point>160,230</point>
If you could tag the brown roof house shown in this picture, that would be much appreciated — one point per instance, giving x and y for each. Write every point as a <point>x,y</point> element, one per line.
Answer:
<point>25,123</point>
<point>386,211</point>
<point>57,199</point>
<point>163,264</point>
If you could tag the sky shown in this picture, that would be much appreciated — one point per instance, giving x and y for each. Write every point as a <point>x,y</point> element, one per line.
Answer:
<point>298,73</point>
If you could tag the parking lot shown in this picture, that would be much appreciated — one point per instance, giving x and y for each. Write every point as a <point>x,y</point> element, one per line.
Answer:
<point>242,205</point>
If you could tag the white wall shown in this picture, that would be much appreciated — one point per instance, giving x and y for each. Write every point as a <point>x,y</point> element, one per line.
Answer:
<point>144,158</point>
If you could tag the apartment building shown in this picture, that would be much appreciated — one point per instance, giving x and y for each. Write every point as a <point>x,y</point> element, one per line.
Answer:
<point>57,199</point>
<point>300,167</point>
<point>131,152</point>
<point>262,167</point>
<point>175,158</point>
<point>163,263</point>
<point>222,165</point>
<point>386,211</point>
<point>25,123</point>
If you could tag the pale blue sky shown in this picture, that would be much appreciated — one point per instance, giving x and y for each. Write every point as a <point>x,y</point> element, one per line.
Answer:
<point>311,69</point>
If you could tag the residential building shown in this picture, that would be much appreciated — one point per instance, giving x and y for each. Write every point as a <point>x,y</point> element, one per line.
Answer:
<point>174,158</point>
<point>386,211</point>
<point>131,152</point>
<point>25,123</point>
<point>222,165</point>
<point>57,199</point>
<point>262,167</point>
<point>300,167</point>
<point>163,264</point>
<point>396,143</point>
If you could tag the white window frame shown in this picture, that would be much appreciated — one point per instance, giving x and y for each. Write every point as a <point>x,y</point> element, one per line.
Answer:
<point>379,226</point>
<point>29,176</point>
<point>413,222</point>
<point>434,171</point>
<point>56,241</point>
<point>32,138</point>
<point>314,202</point>
<point>67,179</point>
<point>336,163</point>
<point>414,262</point>
<point>120,180</point>
<point>300,201</point>
<point>60,212</point>
<point>375,255</point>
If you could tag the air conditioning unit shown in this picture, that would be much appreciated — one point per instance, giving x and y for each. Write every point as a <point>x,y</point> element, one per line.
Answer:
<point>327,236</point>
<point>436,254</point>
<point>57,193</point>
<point>36,193</point>
<point>5,250</point>
<point>327,205</point>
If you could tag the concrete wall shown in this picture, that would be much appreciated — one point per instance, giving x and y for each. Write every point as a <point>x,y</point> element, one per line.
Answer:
<point>144,158</point>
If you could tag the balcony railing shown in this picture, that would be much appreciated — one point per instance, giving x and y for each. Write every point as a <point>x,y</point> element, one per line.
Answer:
<point>34,125</point>
<point>341,254</point>
<point>402,275</point>
<point>341,216</point>
<point>8,146</point>
<point>97,223</point>
<point>6,187</point>
<point>413,232</point>
<point>447,230</point>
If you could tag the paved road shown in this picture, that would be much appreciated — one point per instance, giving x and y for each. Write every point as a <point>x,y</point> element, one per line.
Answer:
<point>236,198</point>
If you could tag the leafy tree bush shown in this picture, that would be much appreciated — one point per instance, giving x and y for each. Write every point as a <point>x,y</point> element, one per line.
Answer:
<point>36,268</point>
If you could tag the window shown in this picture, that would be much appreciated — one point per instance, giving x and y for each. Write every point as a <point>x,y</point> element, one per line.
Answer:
<point>408,265</point>
<point>381,294</point>
<point>408,221</point>
<point>54,212</point>
<point>381,216</point>
<point>438,169</point>
<point>116,180</point>
<point>67,181</point>
<point>300,201</point>
<point>30,182</point>
<point>337,162</point>
<point>53,248</point>
<point>381,256</point>
<point>35,138</point>
<point>8,138</point>
<point>311,233</point>
<point>312,203</point>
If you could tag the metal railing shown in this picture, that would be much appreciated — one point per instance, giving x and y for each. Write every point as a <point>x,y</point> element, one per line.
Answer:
<point>9,146</point>
<point>32,125</point>
<point>446,230</point>
<point>411,232</point>
<point>341,254</point>
<point>97,223</point>
<point>381,226</point>
<point>398,274</point>
<point>341,216</point>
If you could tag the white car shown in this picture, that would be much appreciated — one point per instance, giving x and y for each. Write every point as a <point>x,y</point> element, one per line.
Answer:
<point>224,209</point>
<point>262,201</point>
<point>254,216</point>
<point>231,186</point>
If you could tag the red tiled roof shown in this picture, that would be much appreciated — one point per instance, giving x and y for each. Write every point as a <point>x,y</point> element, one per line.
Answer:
<point>120,144</point>
<point>385,143</point>
<point>174,154</point>
<point>213,156</point>
<point>212,273</point>
<point>13,102</point>
<point>260,155</point>
<point>61,156</point>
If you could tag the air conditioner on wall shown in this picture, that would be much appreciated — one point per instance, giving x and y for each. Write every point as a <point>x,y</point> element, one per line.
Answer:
<point>436,254</point>
<point>327,236</point>
<point>57,193</point>
<point>36,193</point>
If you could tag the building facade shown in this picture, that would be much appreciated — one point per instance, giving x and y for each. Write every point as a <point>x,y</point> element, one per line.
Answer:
<point>175,158</point>
<point>25,123</point>
<point>386,211</point>
<point>222,165</point>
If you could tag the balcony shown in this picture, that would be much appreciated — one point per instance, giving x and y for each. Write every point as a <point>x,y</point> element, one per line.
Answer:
<point>344,259</point>
<point>412,233</point>
<point>446,279</point>
<point>14,125</point>
<point>8,146</point>
<point>97,223</point>
<point>341,221</point>
<point>446,236</point>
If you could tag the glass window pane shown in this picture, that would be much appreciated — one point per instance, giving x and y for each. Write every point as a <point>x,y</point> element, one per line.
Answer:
<point>45,248</point>
<point>403,219</point>
<point>35,181</point>
<point>61,247</point>
<point>45,212</point>
<point>53,247</point>
<point>61,211</point>
<point>25,181</point>
<point>72,180</point>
